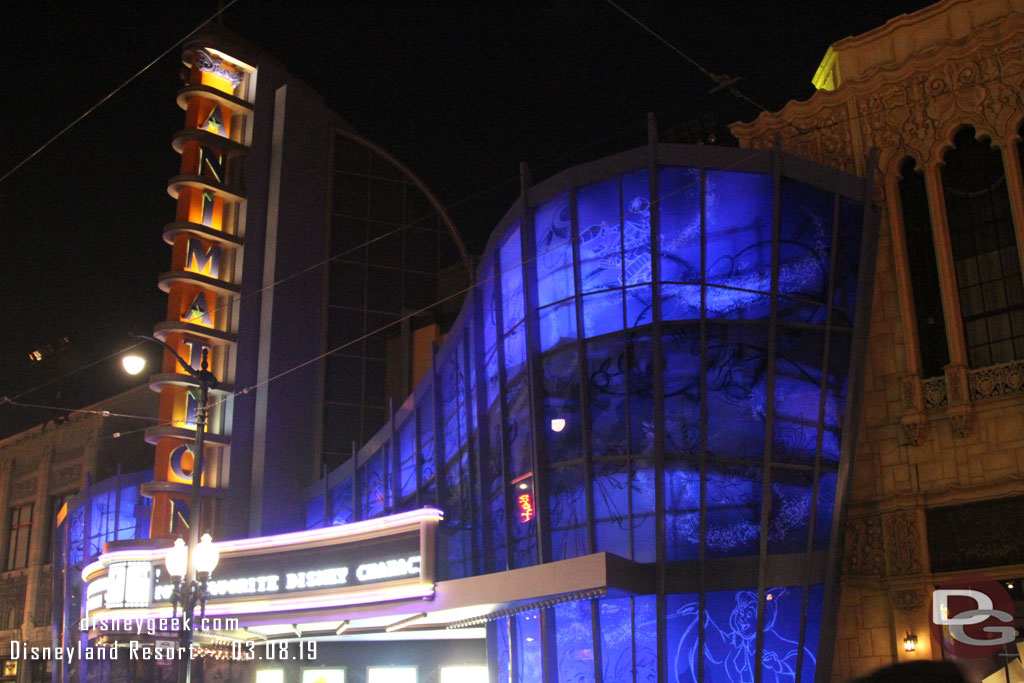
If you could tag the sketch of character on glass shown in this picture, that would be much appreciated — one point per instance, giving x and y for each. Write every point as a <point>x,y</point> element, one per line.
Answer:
<point>730,633</point>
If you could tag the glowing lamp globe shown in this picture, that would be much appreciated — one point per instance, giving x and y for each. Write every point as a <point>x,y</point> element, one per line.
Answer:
<point>133,364</point>
<point>205,555</point>
<point>176,560</point>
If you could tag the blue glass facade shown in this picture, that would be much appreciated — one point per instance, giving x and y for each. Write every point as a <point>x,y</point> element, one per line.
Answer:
<point>657,355</point>
<point>109,511</point>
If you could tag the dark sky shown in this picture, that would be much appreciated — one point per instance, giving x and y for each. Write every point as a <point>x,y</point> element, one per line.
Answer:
<point>461,92</point>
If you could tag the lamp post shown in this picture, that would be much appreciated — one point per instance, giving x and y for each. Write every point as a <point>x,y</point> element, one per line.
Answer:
<point>206,381</point>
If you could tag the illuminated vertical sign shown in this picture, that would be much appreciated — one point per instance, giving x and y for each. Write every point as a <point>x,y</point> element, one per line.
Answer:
<point>524,501</point>
<point>217,99</point>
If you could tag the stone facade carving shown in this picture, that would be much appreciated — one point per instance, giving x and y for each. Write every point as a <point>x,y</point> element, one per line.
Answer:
<point>863,552</point>
<point>67,476</point>
<point>23,489</point>
<point>902,544</point>
<point>44,598</point>
<point>987,535</point>
<point>935,393</point>
<point>12,601</point>
<point>997,380</point>
<point>908,600</point>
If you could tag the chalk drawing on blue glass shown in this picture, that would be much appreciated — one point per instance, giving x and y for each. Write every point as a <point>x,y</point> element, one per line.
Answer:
<point>730,648</point>
<point>625,254</point>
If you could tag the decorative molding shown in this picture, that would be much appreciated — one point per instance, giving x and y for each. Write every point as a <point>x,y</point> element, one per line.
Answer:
<point>916,427</point>
<point>66,476</point>
<point>863,551</point>
<point>44,598</point>
<point>908,600</point>
<point>934,393</point>
<point>976,535</point>
<point>23,489</point>
<point>902,548</point>
<point>996,380</point>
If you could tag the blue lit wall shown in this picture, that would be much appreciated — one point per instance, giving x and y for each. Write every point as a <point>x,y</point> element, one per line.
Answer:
<point>111,510</point>
<point>657,352</point>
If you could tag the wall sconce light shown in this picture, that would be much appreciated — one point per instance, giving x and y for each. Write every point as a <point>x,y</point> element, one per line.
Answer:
<point>910,642</point>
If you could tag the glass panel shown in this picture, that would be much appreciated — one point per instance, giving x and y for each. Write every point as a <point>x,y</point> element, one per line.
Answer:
<point>736,361</point>
<point>341,503</point>
<point>782,609</point>
<point>733,510</point>
<point>639,309</point>
<point>680,302</point>
<point>790,510</point>
<point>528,650</point>
<point>270,676</point>
<point>681,347</point>
<point>646,637</point>
<point>407,458</point>
<point>425,422</point>
<point>739,230</point>
<point>805,240</point>
<point>611,507</point>
<point>520,445</point>
<point>800,354</point>
<point>567,507</point>
<point>562,420</point>
<point>515,352</point>
<point>511,279</point>
<point>639,362</point>
<point>500,630</point>
<point>825,508</point>
<point>616,631</point>
<point>835,397</point>
<point>574,641</point>
<point>606,362</point>
<point>682,511</point>
<point>679,226</point>
<point>315,513</point>
<point>557,325</point>
<point>490,331</point>
<point>602,313</point>
<point>643,487</point>
<point>812,632</point>
<point>681,629</point>
<point>553,227</point>
<point>600,240</point>
<point>636,228</point>
<point>737,304</point>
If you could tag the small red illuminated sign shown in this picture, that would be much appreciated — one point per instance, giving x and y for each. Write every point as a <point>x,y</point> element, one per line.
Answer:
<point>526,511</point>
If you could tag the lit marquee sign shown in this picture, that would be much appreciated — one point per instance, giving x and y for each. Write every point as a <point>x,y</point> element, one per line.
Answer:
<point>375,560</point>
<point>306,570</point>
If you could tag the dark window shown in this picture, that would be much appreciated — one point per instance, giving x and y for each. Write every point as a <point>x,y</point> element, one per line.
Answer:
<point>19,536</point>
<point>984,251</point>
<point>924,273</point>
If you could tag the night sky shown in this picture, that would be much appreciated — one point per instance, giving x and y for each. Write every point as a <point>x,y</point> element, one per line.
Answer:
<point>460,92</point>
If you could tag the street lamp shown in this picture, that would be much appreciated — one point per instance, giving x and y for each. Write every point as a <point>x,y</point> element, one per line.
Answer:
<point>206,381</point>
<point>191,593</point>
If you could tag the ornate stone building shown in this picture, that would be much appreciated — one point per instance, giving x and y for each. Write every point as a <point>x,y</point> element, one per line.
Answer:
<point>41,469</point>
<point>930,103</point>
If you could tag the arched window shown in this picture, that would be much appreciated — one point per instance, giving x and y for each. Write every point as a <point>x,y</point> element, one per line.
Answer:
<point>924,272</point>
<point>984,251</point>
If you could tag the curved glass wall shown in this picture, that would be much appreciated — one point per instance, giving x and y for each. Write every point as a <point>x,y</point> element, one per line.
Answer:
<point>111,510</point>
<point>654,363</point>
